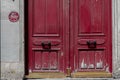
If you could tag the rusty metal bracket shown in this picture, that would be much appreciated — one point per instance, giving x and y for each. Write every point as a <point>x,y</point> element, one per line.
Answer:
<point>68,72</point>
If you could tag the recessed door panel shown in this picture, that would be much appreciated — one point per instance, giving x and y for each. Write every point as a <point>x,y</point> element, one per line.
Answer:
<point>91,60</point>
<point>91,16</point>
<point>46,17</point>
<point>46,60</point>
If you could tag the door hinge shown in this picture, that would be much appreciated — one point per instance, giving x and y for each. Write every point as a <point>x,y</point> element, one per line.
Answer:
<point>68,72</point>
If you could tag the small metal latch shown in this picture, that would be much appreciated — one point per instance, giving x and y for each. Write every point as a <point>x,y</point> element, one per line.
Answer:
<point>46,45</point>
<point>68,72</point>
<point>91,44</point>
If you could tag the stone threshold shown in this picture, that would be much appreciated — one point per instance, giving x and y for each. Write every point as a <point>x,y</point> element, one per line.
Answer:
<point>76,79</point>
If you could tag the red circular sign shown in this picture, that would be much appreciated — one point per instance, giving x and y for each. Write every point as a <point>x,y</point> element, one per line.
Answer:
<point>14,16</point>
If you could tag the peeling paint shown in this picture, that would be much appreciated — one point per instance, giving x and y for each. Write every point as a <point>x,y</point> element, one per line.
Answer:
<point>30,70</point>
<point>107,69</point>
<point>91,66</point>
<point>62,53</point>
<point>83,65</point>
<point>99,64</point>
<point>37,66</point>
<point>54,65</point>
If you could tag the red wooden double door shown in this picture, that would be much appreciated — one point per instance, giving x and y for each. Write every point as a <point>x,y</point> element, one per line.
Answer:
<point>69,37</point>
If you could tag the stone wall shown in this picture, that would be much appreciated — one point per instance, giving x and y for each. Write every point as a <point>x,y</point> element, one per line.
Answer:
<point>12,46</point>
<point>116,38</point>
<point>12,40</point>
<point>119,36</point>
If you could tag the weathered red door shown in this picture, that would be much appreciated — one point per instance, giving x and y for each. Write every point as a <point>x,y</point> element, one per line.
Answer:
<point>90,39</point>
<point>48,38</point>
<point>70,37</point>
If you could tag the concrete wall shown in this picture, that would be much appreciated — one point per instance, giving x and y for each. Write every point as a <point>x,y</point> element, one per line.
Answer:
<point>12,40</point>
<point>12,59</point>
<point>119,36</point>
<point>116,38</point>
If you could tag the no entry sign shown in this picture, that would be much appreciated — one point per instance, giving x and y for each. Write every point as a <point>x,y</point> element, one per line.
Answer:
<point>13,16</point>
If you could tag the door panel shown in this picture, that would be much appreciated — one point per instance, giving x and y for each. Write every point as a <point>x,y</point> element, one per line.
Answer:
<point>91,17</point>
<point>46,17</point>
<point>48,26</point>
<point>91,60</point>
<point>46,60</point>
<point>90,36</point>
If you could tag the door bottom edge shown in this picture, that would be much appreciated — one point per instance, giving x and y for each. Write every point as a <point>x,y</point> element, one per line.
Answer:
<point>45,75</point>
<point>91,75</point>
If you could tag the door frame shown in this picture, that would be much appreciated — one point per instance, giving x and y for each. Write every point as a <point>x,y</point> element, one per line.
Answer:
<point>26,37</point>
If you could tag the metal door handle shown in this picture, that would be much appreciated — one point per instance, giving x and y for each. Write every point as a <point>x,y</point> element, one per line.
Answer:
<point>91,44</point>
<point>46,45</point>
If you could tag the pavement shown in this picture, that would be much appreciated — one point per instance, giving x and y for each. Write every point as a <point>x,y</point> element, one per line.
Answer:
<point>78,79</point>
